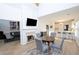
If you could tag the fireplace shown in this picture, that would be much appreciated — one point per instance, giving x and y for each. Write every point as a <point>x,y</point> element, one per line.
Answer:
<point>30,35</point>
<point>30,38</point>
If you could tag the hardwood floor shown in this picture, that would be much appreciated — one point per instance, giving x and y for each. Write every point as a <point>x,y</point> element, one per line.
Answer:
<point>70,47</point>
<point>14,48</point>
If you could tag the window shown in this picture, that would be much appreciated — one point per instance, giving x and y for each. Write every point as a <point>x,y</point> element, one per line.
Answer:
<point>12,25</point>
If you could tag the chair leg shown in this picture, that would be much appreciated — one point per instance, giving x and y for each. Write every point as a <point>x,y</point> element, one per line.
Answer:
<point>57,51</point>
<point>39,52</point>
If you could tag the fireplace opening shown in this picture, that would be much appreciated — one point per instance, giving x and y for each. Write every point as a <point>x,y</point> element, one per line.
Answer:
<point>30,38</point>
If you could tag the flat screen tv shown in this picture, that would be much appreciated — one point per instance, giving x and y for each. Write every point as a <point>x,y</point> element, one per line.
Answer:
<point>31,22</point>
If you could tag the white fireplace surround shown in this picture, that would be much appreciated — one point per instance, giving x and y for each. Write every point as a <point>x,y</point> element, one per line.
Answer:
<point>27,32</point>
<point>30,32</point>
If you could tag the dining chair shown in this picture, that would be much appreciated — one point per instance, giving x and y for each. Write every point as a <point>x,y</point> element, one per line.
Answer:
<point>37,35</point>
<point>52,36</point>
<point>41,48</point>
<point>58,47</point>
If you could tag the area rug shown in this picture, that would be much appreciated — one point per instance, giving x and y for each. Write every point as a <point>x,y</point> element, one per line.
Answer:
<point>35,52</point>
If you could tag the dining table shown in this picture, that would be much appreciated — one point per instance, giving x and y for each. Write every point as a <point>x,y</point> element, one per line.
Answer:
<point>47,39</point>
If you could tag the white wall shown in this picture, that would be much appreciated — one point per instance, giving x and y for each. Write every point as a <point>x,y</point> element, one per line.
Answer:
<point>45,9</point>
<point>42,24</point>
<point>28,11</point>
<point>9,13</point>
<point>77,32</point>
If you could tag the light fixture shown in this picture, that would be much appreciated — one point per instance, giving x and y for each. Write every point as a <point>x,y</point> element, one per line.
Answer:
<point>37,4</point>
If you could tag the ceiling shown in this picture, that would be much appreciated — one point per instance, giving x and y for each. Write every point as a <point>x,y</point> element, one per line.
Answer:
<point>68,14</point>
<point>19,5</point>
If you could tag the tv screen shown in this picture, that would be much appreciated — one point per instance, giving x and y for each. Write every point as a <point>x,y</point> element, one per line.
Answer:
<point>31,22</point>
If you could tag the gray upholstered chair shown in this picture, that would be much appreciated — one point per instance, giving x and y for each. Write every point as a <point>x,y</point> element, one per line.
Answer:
<point>37,35</point>
<point>52,36</point>
<point>58,47</point>
<point>41,48</point>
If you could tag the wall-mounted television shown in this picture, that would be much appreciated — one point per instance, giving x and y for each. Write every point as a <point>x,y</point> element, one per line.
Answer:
<point>31,22</point>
